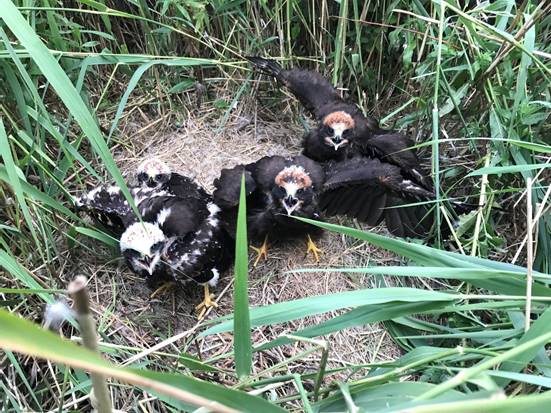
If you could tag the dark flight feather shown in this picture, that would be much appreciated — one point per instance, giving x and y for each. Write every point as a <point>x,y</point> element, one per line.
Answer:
<point>312,90</point>
<point>108,207</point>
<point>185,187</point>
<point>395,148</point>
<point>374,188</point>
<point>228,186</point>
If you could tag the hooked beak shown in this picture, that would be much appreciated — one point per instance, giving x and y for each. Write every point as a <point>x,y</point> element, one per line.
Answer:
<point>148,264</point>
<point>336,142</point>
<point>290,204</point>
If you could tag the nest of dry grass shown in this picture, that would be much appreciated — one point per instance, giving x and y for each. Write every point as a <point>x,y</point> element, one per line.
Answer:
<point>200,148</point>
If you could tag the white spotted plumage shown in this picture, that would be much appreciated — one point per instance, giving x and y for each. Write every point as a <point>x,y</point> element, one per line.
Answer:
<point>163,215</point>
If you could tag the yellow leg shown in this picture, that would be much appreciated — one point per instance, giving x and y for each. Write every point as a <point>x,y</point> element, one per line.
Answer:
<point>313,248</point>
<point>206,303</point>
<point>164,287</point>
<point>261,251</point>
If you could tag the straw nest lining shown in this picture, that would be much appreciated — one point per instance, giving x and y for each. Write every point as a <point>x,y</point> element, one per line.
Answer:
<point>200,149</point>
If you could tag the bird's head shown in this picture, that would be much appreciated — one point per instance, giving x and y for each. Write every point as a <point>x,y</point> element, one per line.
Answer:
<point>293,189</point>
<point>153,173</point>
<point>336,130</point>
<point>142,246</point>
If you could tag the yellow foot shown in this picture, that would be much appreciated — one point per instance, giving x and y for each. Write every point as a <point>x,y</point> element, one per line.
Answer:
<point>261,251</point>
<point>166,286</point>
<point>313,248</point>
<point>206,303</point>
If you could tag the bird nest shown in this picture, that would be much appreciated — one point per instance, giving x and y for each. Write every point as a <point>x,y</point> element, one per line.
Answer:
<point>200,148</point>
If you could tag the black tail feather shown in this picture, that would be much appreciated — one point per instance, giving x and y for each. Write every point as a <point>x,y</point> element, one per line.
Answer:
<point>268,66</point>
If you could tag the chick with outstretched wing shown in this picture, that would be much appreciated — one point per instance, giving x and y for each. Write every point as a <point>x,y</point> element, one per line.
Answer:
<point>343,130</point>
<point>277,190</point>
<point>107,207</point>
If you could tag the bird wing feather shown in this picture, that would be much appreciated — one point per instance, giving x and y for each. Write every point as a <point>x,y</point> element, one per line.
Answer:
<point>185,187</point>
<point>312,89</point>
<point>395,148</point>
<point>108,206</point>
<point>266,169</point>
<point>370,190</point>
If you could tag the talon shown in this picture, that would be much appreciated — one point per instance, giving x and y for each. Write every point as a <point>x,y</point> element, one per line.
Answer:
<point>261,251</point>
<point>166,286</point>
<point>313,248</point>
<point>207,303</point>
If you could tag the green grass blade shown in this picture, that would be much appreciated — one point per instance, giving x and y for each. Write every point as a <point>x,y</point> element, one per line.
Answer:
<point>521,377</point>
<point>538,403</point>
<point>357,317</point>
<point>242,321</point>
<point>13,179</point>
<point>63,87</point>
<point>472,372</point>
<point>11,265</point>
<point>100,236</point>
<point>538,328</point>
<point>432,272</point>
<point>292,310</point>
<point>433,257</point>
<point>17,334</point>
<point>387,397</point>
<point>493,170</point>
<point>38,195</point>
<point>340,40</point>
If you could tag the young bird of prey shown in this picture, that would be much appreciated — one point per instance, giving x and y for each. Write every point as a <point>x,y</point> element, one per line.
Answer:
<point>180,237</point>
<point>277,189</point>
<point>199,252</point>
<point>342,130</point>
<point>156,174</point>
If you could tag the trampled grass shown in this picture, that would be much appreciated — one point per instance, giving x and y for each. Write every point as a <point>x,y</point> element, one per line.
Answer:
<point>469,81</point>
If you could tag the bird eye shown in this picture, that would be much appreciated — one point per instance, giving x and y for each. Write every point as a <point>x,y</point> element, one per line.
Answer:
<point>157,246</point>
<point>142,177</point>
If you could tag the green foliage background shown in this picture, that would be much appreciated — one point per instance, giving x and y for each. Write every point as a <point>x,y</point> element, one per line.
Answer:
<point>473,75</point>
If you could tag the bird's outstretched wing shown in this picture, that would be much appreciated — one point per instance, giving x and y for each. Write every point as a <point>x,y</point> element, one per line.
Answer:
<point>371,190</point>
<point>312,89</point>
<point>107,206</point>
<point>395,148</point>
